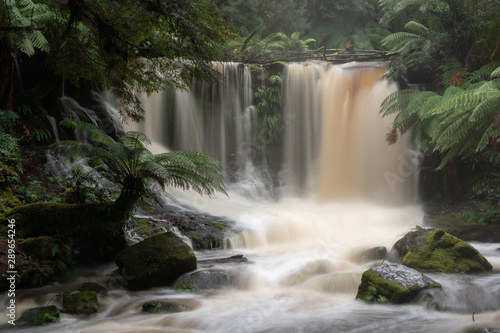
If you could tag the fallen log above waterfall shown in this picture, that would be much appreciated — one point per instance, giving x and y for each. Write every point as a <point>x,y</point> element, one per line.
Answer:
<point>321,54</point>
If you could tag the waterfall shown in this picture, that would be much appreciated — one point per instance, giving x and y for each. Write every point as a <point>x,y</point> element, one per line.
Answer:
<point>335,145</point>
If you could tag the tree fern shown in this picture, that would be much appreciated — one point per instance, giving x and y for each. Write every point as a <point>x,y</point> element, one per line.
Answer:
<point>138,167</point>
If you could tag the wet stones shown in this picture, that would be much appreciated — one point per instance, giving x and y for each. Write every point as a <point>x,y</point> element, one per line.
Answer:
<point>156,261</point>
<point>436,250</point>
<point>40,316</point>
<point>84,302</point>
<point>207,280</point>
<point>392,284</point>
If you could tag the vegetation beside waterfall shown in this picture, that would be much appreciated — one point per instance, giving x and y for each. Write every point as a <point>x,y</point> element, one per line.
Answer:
<point>54,55</point>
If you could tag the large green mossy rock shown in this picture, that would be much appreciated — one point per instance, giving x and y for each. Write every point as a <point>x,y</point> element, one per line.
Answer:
<point>392,284</point>
<point>84,302</point>
<point>438,251</point>
<point>40,316</point>
<point>46,248</point>
<point>91,227</point>
<point>156,261</point>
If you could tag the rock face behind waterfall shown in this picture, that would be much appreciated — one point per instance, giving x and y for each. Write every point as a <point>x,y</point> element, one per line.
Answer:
<point>392,283</point>
<point>155,261</point>
<point>436,250</point>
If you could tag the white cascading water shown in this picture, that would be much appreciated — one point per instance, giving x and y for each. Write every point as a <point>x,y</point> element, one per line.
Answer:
<point>346,191</point>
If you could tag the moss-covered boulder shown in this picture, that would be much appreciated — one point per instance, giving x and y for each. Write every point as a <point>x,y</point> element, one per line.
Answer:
<point>392,284</point>
<point>84,302</point>
<point>156,261</point>
<point>40,316</point>
<point>46,248</point>
<point>95,233</point>
<point>438,251</point>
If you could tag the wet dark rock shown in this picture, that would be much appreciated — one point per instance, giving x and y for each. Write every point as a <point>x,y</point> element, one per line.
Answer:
<point>207,279</point>
<point>376,253</point>
<point>40,316</point>
<point>46,248</point>
<point>392,284</point>
<point>91,286</point>
<point>84,302</point>
<point>163,307</point>
<point>156,261</point>
<point>237,258</point>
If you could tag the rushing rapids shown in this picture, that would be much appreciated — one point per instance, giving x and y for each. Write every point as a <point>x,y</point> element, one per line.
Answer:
<point>344,192</point>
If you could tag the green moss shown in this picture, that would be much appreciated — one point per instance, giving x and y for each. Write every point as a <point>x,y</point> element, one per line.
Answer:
<point>96,231</point>
<point>445,253</point>
<point>36,276</point>
<point>40,316</point>
<point>156,261</point>
<point>162,307</point>
<point>7,199</point>
<point>46,248</point>
<point>374,288</point>
<point>84,302</point>
<point>218,225</point>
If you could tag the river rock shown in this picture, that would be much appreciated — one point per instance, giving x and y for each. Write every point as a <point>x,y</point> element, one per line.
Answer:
<point>46,248</point>
<point>41,315</point>
<point>91,286</point>
<point>163,307</point>
<point>206,280</point>
<point>436,250</point>
<point>376,253</point>
<point>156,261</point>
<point>84,302</point>
<point>392,284</point>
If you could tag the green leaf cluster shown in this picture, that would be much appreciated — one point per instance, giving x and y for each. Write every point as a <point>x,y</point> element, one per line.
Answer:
<point>137,167</point>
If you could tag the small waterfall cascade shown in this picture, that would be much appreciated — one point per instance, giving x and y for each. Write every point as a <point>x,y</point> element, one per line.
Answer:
<point>335,145</point>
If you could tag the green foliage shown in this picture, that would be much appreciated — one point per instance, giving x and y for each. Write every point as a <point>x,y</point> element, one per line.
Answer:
<point>272,46</point>
<point>22,24</point>
<point>138,167</point>
<point>130,41</point>
<point>185,288</point>
<point>269,106</point>
<point>461,122</point>
<point>9,146</point>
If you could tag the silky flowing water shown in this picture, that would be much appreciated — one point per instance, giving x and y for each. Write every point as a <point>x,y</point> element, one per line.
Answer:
<point>343,191</point>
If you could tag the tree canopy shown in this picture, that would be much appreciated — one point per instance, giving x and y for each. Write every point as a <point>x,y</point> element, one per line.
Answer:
<point>125,46</point>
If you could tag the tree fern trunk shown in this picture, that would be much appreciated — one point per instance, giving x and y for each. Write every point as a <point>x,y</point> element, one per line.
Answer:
<point>123,207</point>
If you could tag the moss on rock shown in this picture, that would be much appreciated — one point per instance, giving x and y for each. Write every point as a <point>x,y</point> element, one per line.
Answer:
<point>442,252</point>
<point>155,261</point>
<point>46,248</point>
<point>40,316</point>
<point>392,284</point>
<point>94,230</point>
<point>84,302</point>
<point>163,307</point>
<point>7,199</point>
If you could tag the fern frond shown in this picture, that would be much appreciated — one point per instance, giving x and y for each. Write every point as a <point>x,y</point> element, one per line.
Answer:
<point>397,101</point>
<point>398,40</point>
<point>96,134</point>
<point>483,73</point>
<point>488,108</point>
<point>418,28</point>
